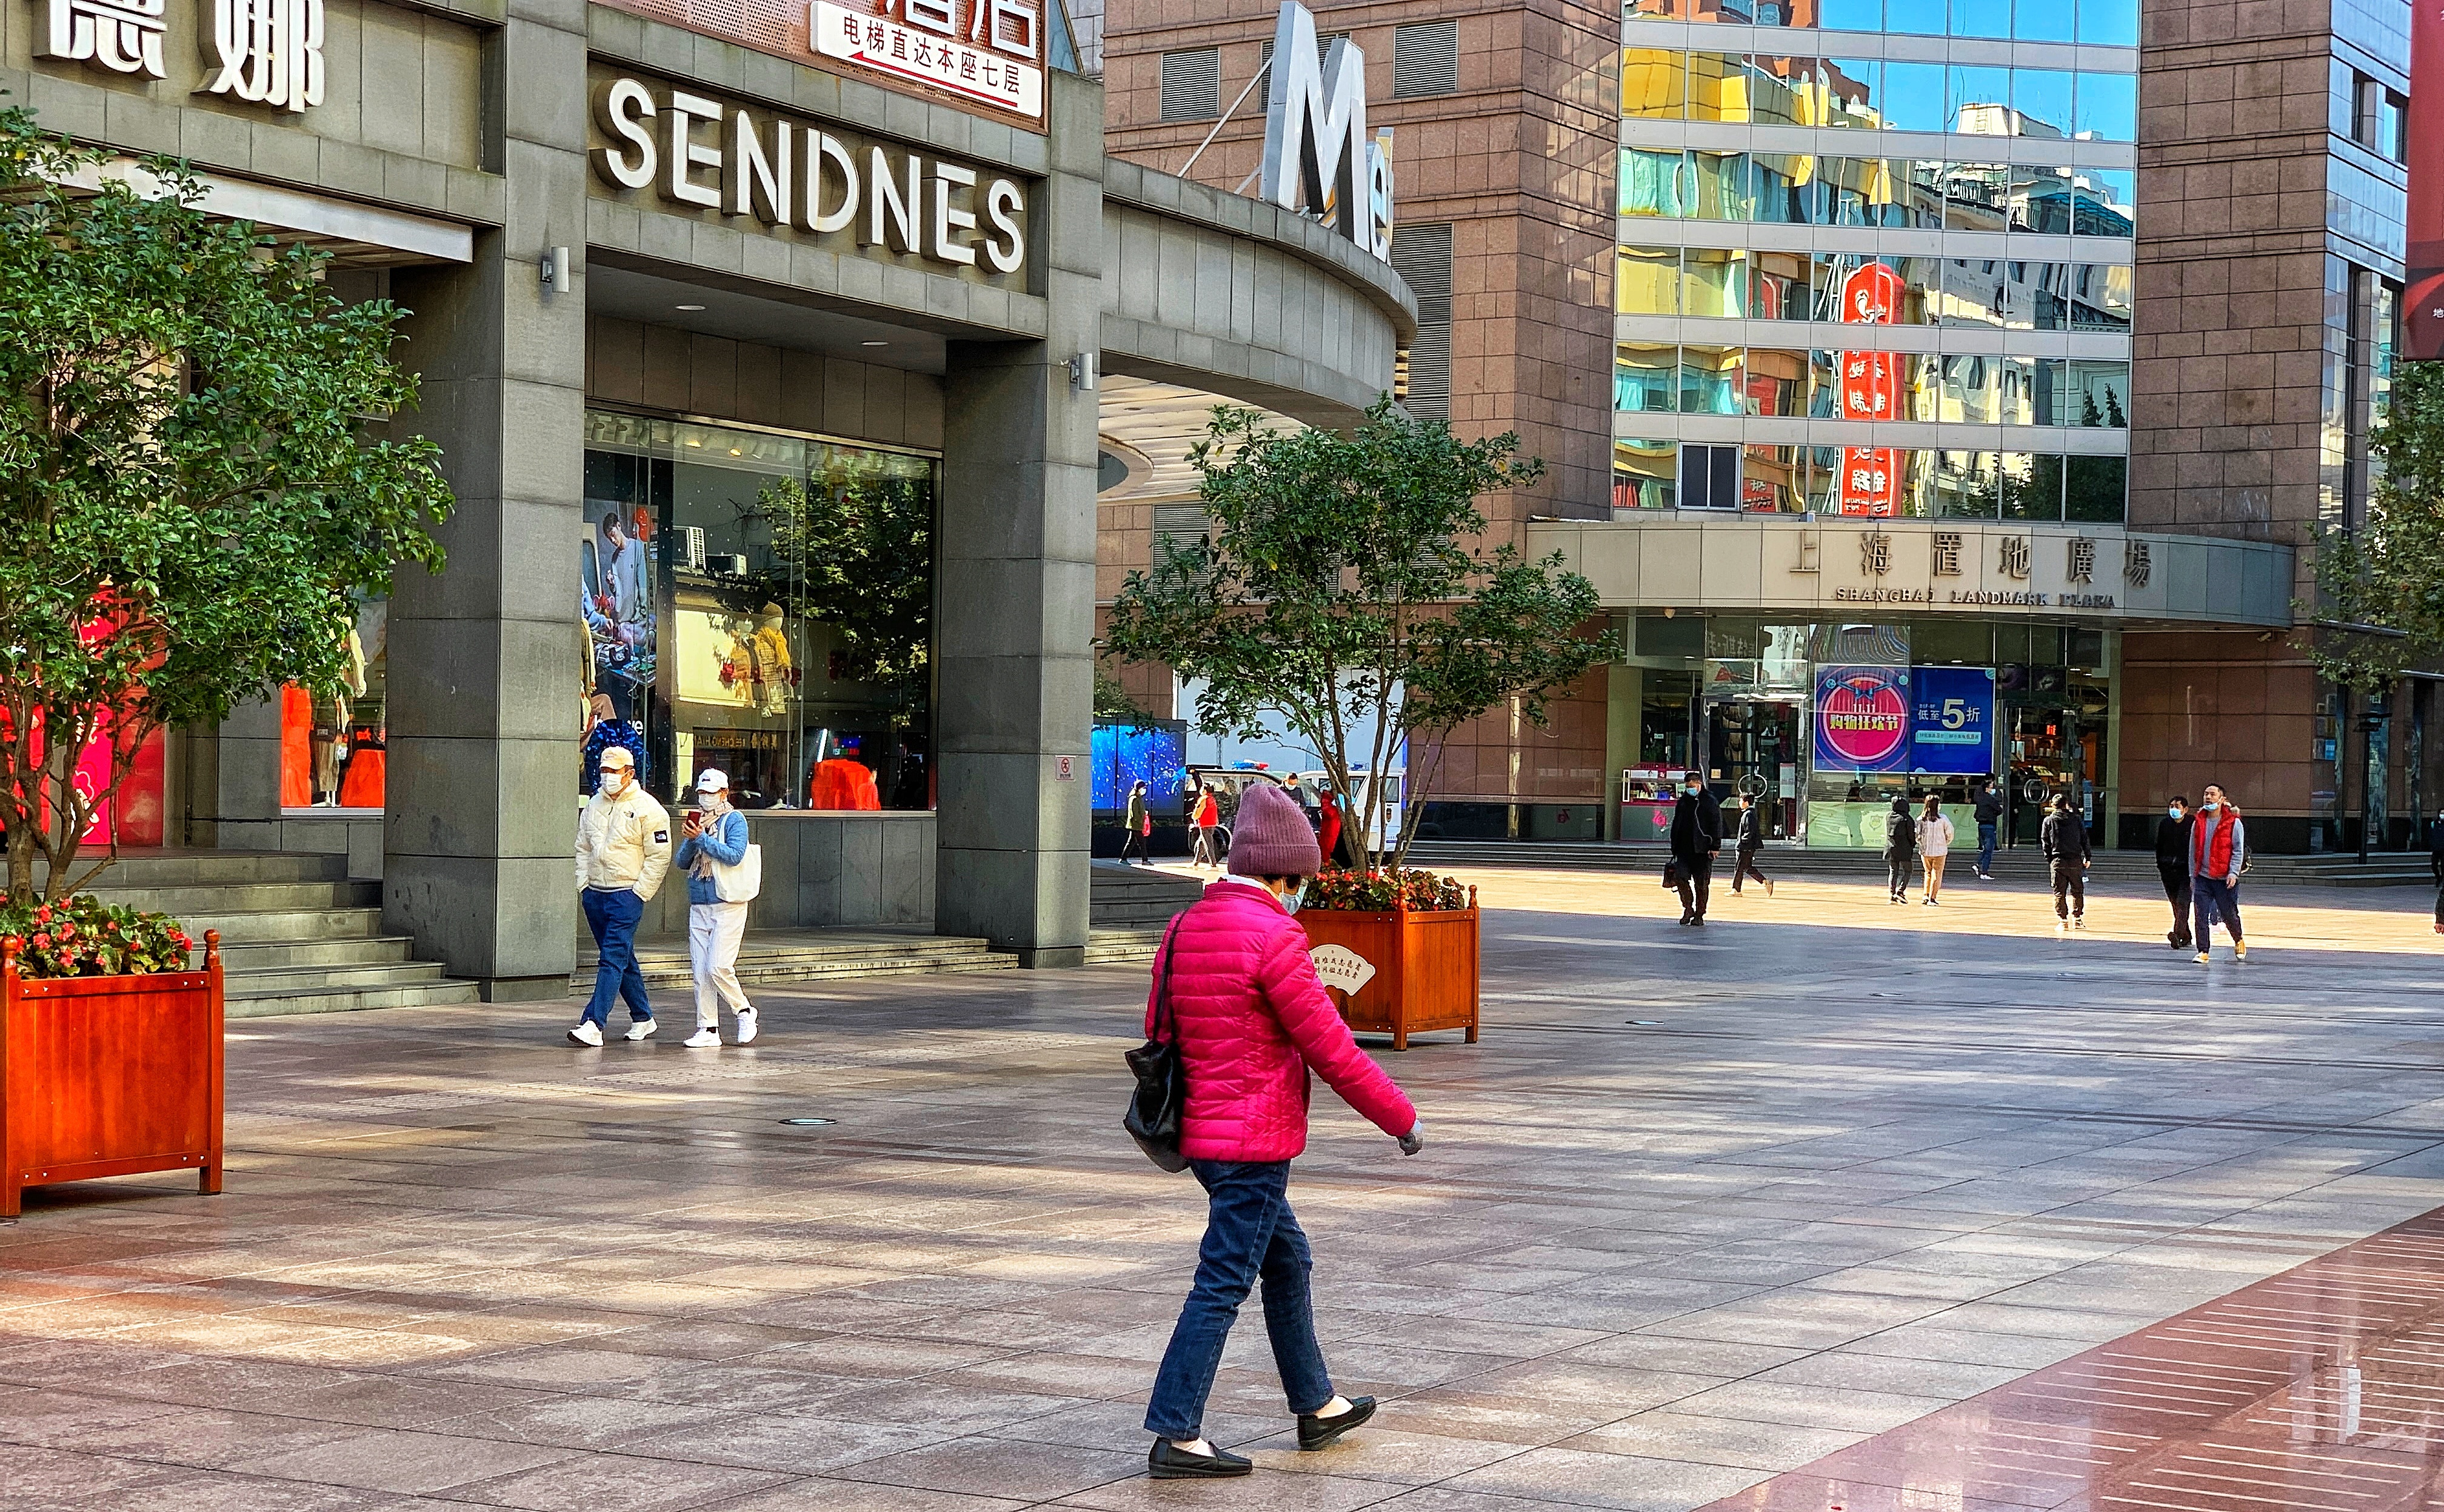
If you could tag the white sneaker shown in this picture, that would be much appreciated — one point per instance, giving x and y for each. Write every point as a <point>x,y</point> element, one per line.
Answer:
<point>643,1028</point>
<point>702,1040</point>
<point>746,1027</point>
<point>2063,927</point>
<point>2079,921</point>
<point>585,1033</point>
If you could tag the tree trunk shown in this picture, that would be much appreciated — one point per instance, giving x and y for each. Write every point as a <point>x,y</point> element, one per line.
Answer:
<point>21,861</point>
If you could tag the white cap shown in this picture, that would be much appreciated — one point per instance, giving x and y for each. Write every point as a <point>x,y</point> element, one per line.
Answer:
<point>615,756</point>
<point>711,780</point>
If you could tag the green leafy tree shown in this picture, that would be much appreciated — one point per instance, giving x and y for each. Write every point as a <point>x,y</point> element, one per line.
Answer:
<point>192,488</point>
<point>1334,592</point>
<point>2381,585</point>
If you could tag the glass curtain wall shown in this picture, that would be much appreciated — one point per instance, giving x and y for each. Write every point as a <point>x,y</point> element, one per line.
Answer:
<point>759,603</point>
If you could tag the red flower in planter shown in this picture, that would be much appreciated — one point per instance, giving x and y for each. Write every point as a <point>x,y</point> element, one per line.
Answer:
<point>42,942</point>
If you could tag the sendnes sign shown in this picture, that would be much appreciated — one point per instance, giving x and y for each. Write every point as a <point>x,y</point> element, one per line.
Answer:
<point>808,181</point>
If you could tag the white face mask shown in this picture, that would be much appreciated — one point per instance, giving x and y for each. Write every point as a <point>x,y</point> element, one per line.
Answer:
<point>615,780</point>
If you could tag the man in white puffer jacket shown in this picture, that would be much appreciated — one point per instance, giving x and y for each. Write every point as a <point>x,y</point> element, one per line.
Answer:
<point>623,848</point>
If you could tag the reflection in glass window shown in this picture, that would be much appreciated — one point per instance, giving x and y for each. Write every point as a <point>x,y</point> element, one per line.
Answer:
<point>1643,473</point>
<point>2040,199</point>
<point>1823,384</point>
<point>1968,393</point>
<point>1779,286</point>
<point>1978,101</point>
<point>2106,203</point>
<point>1655,183</point>
<point>2100,296</point>
<point>1777,182</point>
<point>2015,390</point>
<point>1786,91</point>
<point>1966,485</point>
<point>1645,378</point>
<point>2049,287</point>
<point>2107,108</point>
<point>1850,15</point>
<point>1714,282</point>
<point>2096,489</point>
<point>1653,83</point>
<point>1975,197</point>
<point>2043,21</point>
<point>2111,23</point>
<point>1916,18</point>
<point>1773,479</point>
<point>1719,87</point>
<point>2032,486</point>
<point>1722,181</point>
<point>2042,99</point>
<point>1984,18</point>
<point>798,657</point>
<point>1776,382</point>
<point>1710,380</point>
<point>1852,86</point>
<point>1646,281</point>
<point>2100,393</point>
<point>1912,97</point>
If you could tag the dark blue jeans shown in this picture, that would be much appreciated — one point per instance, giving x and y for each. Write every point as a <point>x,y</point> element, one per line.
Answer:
<point>1984,849</point>
<point>2212,895</point>
<point>613,918</point>
<point>1249,1233</point>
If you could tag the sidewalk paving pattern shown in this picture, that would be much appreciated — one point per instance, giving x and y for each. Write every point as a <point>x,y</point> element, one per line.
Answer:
<point>1705,1207</point>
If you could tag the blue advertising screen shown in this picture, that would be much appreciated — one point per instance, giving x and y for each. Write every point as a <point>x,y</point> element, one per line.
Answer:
<point>1952,720</point>
<point>1121,754</point>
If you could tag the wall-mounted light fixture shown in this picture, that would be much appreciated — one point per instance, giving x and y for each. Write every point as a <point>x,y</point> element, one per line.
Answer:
<point>1082,372</point>
<point>555,270</point>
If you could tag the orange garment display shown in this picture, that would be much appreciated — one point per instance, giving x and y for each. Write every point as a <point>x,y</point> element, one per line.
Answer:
<point>844,784</point>
<point>296,748</point>
<point>365,782</point>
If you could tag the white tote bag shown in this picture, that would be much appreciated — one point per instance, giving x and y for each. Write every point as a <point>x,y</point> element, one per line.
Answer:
<point>740,883</point>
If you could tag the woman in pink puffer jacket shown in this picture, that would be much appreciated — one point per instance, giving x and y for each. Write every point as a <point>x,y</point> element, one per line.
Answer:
<point>1252,1018</point>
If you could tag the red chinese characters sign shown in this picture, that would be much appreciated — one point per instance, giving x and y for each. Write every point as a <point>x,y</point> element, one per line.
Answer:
<point>1870,386</point>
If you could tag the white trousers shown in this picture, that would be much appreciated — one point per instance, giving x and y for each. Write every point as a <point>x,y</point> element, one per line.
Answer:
<point>714,932</point>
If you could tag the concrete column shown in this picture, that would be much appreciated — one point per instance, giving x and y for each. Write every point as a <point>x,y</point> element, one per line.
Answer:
<point>484,658</point>
<point>1015,583</point>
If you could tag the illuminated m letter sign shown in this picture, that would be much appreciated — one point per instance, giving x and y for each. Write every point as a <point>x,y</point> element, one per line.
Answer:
<point>1318,157</point>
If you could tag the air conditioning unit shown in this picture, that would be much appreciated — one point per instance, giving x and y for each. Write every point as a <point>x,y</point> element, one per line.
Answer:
<point>726,564</point>
<point>691,548</point>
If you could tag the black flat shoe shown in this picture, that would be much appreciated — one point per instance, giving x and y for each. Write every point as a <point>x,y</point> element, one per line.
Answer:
<point>1319,1433</point>
<point>1167,1461</point>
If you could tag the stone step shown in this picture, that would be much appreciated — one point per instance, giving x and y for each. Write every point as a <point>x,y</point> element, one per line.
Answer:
<point>1122,946</point>
<point>349,1000</point>
<point>216,901</point>
<point>276,981</point>
<point>272,954</point>
<point>189,868</point>
<point>285,927</point>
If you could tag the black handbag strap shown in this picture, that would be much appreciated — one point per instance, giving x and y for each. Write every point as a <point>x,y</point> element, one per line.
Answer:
<point>1166,1024</point>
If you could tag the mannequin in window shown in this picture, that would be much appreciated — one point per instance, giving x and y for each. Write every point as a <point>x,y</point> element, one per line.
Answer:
<point>331,720</point>
<point>768,656</point>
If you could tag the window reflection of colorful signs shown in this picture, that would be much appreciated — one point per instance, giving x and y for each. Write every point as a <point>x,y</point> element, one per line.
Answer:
<point>1862,719</point>
<point>1952,720</point>
<point>1871,390</point>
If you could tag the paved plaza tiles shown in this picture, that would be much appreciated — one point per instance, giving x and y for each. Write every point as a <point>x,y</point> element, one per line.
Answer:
<point>1824,1205</point>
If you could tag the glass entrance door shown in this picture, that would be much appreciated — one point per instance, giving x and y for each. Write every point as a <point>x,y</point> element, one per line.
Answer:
<point>1752,748</point>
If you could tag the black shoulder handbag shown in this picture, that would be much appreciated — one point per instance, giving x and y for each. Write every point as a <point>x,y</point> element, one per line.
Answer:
<point>1161,1094</point>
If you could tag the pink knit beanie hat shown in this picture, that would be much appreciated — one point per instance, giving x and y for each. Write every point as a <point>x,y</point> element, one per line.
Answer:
<point>1271,838</point>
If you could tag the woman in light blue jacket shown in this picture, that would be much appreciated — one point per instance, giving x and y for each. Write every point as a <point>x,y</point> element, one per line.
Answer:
<point>715,838</point>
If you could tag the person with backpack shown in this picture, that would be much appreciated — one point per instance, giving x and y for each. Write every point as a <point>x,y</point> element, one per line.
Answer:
<point>1900,849</point>
<point>2218,853</point>
<point>2063,842</point>
<point>714,841</point>
<point>1250,1018</point>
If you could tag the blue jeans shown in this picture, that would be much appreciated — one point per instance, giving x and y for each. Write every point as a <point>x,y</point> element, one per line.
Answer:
<point>1984,849</point>
<point>2210,896</point>
<point>1249,1233</point>
<point>613,918</point>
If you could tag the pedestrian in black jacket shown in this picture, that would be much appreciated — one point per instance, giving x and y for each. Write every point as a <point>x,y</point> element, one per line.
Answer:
<point>1697,836</point>
<point>2172,865</point>
<point>2436,864</point>
<point>1990,825</point>
<point>1752,839</point>
<point>2064,843</point>
<point>1900,849</point>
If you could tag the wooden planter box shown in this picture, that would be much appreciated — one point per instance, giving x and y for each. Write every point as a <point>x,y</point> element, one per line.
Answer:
<point>1425,969</point>
<point>106,1075</point>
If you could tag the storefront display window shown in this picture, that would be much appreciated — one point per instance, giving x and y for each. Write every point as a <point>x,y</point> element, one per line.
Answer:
<point>333,750</point>
<point>761,603</point>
